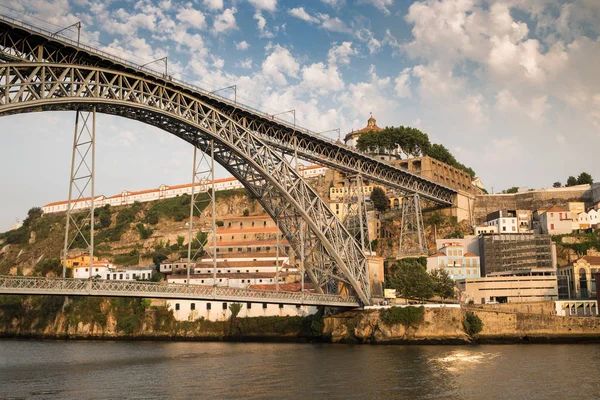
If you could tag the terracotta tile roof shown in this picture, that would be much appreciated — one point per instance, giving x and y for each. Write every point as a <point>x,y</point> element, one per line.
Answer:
<point>256,275</point>
<point>240,264</point>
<point>467,254</point>
<point>243,243</point>
<point>286,287</point>
<point>556,209</point>
<point>246,255</point>
<point>57,203</point>
<point>593,260</point>
<point>249,230</point>
<point>248,217</point>
<point>437,255</point>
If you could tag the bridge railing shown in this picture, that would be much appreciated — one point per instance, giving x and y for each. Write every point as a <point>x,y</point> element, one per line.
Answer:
<point>100,287</point>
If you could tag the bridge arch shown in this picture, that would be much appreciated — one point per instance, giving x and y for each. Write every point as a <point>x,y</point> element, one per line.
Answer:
<point>332,254</point>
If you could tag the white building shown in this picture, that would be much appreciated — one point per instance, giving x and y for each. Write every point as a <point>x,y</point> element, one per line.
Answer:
<point>555,221</point>
<point>483,229</point>
<point>509,289</point>
<point>166,192</point>
<point>504,221</point>
<point>454,259</point>
<point>191,310</point>
<point>102,271</point>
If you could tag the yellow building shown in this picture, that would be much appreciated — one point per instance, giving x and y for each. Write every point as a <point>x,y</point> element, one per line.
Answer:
<point>83,259</point>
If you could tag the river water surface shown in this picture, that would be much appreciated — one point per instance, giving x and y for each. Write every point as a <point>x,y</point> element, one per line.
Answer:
<point>196,370</point>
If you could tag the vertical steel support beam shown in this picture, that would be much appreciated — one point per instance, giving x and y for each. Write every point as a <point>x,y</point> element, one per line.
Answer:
<point>277,256</point>
<point>203,175</point>
<point>355,219</point>
<point>412,230</point>
<point>81,182</point>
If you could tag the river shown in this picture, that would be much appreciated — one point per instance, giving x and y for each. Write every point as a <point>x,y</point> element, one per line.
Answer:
<point>32,369</point>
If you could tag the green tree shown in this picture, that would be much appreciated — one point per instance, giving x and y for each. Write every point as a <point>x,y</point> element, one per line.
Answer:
<point>180,240</point>
<point>379,199</point>
<point>513,189</point>
<point>443,285</point>
<point>557,184</point>
<point>571,181</point>
<point>435,219</point>
<point>411,280</point>
<point>585,179</point>
<point>246,212</point>
<point>441,153</point>
<point>472,324</point>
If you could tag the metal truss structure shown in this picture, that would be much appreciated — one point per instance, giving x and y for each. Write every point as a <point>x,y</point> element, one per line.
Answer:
<point>355,218</point>
<point>27,285</point>
<point>81,181</point>
<point>412,231</point>
<point>332,255</point>
<point>22,42</point>
<point>203,196</point>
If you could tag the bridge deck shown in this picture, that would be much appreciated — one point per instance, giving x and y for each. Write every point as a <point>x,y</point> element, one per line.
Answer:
<point>26,285</point>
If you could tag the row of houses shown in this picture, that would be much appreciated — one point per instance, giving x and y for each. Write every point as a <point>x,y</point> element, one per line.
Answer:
<point>162,192</point>
<point>551,221</point>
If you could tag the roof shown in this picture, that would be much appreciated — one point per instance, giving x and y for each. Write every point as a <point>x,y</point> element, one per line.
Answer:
<point>371,126</point>
<point>593,260</point>
<point>467,254</point>
<point>266,216</point>
<point>250,243</point>
<point>249,230</point>
<point>556,209</point>
<point>57,203</point>
<point>286,287</point>
<point>256,275</point>
<point>242,264</point>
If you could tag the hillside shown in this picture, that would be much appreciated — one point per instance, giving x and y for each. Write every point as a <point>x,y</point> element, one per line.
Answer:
<point>137,234</point>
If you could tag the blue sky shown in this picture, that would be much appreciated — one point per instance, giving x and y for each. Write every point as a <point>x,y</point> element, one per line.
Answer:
<point>510,87</point>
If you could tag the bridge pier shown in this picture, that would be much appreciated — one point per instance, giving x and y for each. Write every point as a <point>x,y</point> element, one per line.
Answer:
<point>82,180</point>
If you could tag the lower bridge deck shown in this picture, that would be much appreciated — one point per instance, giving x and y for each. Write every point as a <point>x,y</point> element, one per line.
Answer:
<point>27,285</point>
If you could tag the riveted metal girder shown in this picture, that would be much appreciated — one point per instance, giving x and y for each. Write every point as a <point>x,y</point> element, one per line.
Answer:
<point>332,254</point>
<point>21,42</point>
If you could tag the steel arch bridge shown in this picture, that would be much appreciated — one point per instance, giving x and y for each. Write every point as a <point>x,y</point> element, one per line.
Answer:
<point>39,72</point>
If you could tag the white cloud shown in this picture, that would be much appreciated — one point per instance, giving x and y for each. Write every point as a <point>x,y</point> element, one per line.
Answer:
<point>243,45</point>
<point>437,82</point>
<point>334,3</point>
<point>303,15</point>
<point>476,108</point>
<point>539,106</point>
<point>402,87</point>
<point>213,5</point>
<point>192,17</point>
<point>505,101</point>
<point>218,63</point>
<point>225,22</point>
<point>279,64</point>
<point>382,5</point>
<point>261,24</point>
<point>333,24</point>
<point>246,63</point>
<point>267,5</point>
<point>321,78</point>
<point>339,55</point>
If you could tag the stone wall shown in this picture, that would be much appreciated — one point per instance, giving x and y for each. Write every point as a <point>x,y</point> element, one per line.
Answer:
<point>505,323</point>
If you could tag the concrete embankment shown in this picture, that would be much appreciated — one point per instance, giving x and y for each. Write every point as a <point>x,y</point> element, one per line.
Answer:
<point>445,326</point>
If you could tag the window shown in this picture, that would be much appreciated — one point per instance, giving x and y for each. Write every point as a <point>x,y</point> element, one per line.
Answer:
<point>298,306</point>
<point>249,305</point>
<point>86,270</point>
<point>224,306</point>
<point>208,306</point>
<point>120,276</point>
<point>552,226</point>
<point>176,306</point>
<point>264,306</point>
<point>504,228</point>
<point>193,306</point>
<point>280,305</point>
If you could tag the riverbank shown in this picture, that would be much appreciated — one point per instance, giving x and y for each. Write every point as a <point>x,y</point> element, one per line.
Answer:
<point>447,325</point>
<point>50,317</point>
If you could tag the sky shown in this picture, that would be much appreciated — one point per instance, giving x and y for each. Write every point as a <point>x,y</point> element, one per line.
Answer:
<point>511,87</point>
